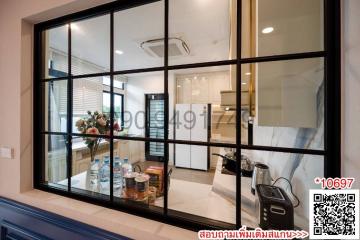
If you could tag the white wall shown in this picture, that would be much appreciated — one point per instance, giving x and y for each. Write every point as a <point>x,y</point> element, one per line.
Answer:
<point>351,90</point>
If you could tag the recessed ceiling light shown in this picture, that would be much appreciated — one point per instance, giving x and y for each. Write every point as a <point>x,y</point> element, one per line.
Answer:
<point>248,73</point>
<point>267,30</point>
<point>244,83</point>
<point>195,77</point>
<point>119,52</point>
<point>179,86</point>
<point>73,26</point>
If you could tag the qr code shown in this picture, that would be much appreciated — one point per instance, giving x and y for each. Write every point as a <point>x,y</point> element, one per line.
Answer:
<point>334,214</point>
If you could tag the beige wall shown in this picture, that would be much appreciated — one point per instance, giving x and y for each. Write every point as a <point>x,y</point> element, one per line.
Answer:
<point>16,22</point>
<point>16,70</point>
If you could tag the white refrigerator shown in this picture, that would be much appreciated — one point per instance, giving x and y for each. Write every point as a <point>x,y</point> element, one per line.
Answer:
<point>192,124</point>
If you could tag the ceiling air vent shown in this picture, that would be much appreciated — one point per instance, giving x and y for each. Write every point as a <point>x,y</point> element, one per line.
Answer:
<point>156,47</point>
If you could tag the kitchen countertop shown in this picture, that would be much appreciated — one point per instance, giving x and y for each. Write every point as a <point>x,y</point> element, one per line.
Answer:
<point>201,199</point>
<point>221,139</point>
<point>225,185</point>
<point>78,146</point>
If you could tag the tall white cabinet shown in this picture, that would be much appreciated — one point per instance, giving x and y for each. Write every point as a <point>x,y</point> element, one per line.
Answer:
<point>191,156</point>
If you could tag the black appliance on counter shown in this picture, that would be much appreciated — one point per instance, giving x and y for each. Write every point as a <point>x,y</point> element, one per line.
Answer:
<point>275,209</point>
<point>229,164</point>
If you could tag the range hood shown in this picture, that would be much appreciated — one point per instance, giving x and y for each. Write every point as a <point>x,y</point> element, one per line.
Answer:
<point>228,100</point>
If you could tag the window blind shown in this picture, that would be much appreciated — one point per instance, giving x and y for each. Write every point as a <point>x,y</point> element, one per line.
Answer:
<point>87,92</point>
<point>87,95</point>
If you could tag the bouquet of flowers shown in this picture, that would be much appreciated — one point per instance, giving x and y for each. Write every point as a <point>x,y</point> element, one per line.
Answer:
<point>95,124</point>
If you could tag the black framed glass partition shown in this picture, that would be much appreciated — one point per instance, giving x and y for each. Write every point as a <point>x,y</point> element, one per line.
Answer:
<point>250,79</point>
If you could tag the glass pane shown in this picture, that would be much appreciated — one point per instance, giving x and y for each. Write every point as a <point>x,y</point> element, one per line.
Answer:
<point>106,103</point>
<point>144,105</point>
<point>117,83</point>
<point>138,174</point>
<point>278,27</point>
<point>289,103</point>
<point>88,96</point>
<point>55,163</point>
<point>119,109</point>
<point>90,45</point>
<point>202,104</point>
<point>55,52</point>
<point>201,31</point>
<point>55,106</point>
<point>139,37</point>
<point>299,169</point>
<point>205,194</point>
<point>91,166</point>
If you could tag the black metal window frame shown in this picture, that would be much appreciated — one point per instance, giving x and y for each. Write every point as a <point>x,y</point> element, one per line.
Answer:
<point>332,111</point>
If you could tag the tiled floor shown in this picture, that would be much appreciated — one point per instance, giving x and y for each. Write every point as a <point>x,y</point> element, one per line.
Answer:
<point>184,174</point>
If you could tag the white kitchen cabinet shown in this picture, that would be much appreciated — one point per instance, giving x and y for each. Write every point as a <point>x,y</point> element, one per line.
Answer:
<point>220,81</point>
<point>202,88</point>
<point>183,88</point>
<point>183,155</point>
<point>199,89</point>
<point>199,157</point>
<point>191,156</point>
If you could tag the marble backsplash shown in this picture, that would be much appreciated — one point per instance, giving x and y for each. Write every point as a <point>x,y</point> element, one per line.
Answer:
<point>298,168</point>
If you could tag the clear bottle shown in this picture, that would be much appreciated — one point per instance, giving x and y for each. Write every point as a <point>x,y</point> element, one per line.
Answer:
<point>94,172</point>
<point>117,178</point>
<point>117,159</point>
<point>126,167</point>
<point>105,176</point>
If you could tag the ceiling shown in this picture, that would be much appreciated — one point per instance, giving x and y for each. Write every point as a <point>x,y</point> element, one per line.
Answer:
<point>297,26</point>
<point>202,24</point>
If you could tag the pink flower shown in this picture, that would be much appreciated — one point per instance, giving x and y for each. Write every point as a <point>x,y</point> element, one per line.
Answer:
<point>116,126</point>
<point>93,131</point>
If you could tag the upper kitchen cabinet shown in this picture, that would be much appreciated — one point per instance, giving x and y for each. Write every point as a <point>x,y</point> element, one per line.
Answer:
<point>201,31</point>
<point>289,105</point>
<point>203,85</point>
<point>139,37</point>
<point>277,27</point>
<point>206,86</point>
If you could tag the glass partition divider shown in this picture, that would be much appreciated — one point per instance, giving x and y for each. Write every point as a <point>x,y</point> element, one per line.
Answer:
<point>77,72</point>
<point>112,107</point>
<point>69,109</point>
